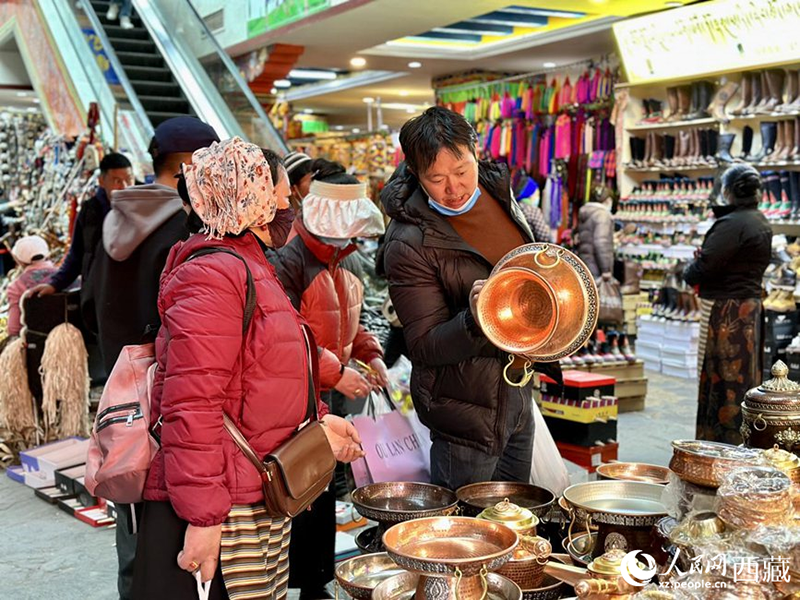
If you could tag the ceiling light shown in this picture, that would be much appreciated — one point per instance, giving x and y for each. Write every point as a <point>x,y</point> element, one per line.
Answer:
<point>311,74</point>
<point>308,111</point>
<point>356,130</point>
<point>368,100</point>
<point>403,93</point>
<point>414,65</point>
<point>22,94</point>
<point>36,101</point>
<point>33,110</point>
<point>549,65</point>
<point>358,61</point>
<point>339,128</point>
<point>273,91</point>
<point>410,111</point>
<point>283,83</point>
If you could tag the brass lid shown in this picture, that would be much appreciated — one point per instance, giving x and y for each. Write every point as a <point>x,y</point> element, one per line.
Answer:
<point>609,563</point>
<point>780,391</point>
<point>509,514</point>
<point>781,459</point>
<point>533,547</point>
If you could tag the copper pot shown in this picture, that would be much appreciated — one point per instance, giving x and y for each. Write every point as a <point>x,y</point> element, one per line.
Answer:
<point>539,303</point>
<point>771,412</point>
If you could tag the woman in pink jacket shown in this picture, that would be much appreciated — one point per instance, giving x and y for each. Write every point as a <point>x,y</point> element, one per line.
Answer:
<point>202,494</point>
<point>32,254</point>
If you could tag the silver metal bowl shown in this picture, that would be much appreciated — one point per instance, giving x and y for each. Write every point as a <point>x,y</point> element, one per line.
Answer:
<point>624,498</point>
<point>360,575</point>
<point>477,497</point>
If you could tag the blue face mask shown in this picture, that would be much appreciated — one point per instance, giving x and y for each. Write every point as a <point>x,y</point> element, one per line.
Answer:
<point>450,212</point>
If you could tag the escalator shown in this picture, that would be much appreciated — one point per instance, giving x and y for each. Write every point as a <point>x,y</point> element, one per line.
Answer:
<point>158,92</point>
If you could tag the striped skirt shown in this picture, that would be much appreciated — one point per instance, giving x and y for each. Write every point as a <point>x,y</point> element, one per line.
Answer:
<point>254,557</point>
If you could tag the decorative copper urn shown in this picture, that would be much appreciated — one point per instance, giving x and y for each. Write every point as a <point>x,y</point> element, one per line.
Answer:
<point>539,304</point>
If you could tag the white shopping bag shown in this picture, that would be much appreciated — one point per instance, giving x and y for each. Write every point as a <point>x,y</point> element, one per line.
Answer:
<point>549,470</point>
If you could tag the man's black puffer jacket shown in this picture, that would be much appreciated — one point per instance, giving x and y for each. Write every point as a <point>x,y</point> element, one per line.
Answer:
<point>457,381</point>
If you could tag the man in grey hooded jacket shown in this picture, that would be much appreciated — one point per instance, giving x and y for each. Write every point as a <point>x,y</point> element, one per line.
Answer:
<point>144,223</point>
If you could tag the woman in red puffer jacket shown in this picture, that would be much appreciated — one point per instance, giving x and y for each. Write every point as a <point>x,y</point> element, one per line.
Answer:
<point>201,491</point>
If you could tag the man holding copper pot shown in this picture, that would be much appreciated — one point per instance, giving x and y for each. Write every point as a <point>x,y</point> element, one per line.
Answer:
<point>453,219</point>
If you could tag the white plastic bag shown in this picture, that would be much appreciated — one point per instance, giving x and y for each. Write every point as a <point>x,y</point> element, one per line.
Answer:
<point>548,470</point>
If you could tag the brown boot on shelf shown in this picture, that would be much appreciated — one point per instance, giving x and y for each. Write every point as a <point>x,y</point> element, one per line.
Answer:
<point>793,106</point>
<point>779,144</point>
<point>694,148</point>
<point>794,154</point>
<point>683,147</point>
<point>684,101</point>
<point>721,99</point>
<point>672,102</point>
<point>746,96</point>
<point>758,83</point>
<point>788,141</point>
<point>775,79</point>
<point>791,91</point>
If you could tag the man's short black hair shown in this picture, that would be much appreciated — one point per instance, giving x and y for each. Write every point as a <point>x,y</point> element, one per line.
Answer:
<point>275,163</point>
<point>114,160</point>
<point>423,137</point>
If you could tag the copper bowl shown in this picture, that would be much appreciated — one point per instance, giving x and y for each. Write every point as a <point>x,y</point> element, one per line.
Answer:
<point>708,464</point>
<point>518,310</point>
<point>360,575</point>
<point>575,293</point>
<point>443,545</point>
<point>477,497</point>
<point>399,501</point>
<point>634,472</point>
<point>550,588</point>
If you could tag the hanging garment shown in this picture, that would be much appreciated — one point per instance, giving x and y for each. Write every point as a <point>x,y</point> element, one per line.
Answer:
<point>563,136</point>
<point>565,96</point>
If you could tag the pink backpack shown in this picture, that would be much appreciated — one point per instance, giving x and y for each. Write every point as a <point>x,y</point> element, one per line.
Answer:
<point>121,447</point>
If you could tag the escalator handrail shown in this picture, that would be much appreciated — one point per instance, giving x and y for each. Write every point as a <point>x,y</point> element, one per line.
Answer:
<point>133,97</point>
<point>201,28</point>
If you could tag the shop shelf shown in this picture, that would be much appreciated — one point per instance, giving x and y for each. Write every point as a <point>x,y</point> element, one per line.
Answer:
<point>785,227</point>
<point>674,124</point>
<point>767,117</point>
<point>671,169</point>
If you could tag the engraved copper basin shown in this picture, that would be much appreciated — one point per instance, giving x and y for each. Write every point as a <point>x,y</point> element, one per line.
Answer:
<point>516,309</point>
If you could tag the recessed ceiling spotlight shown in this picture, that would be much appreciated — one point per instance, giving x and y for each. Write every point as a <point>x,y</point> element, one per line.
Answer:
<point>410,111</point>
<point>339,128</point>
<point>283,83</point>
<point>549,65</point>
<point>356,130</point>
<point>308,111</point>
<point>358,61</point>
<point>403,93</point>
<point>414,65</point>
<point>273,91</point>
<point>36,101</point>
<point>368,100</point>
<point>22,94</point>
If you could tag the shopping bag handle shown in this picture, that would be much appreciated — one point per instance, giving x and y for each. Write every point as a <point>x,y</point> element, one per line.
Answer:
<point>384,393</point>
<point>203,589</point>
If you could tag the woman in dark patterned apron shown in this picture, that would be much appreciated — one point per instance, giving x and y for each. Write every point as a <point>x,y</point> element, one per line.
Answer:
<point>728,270</point>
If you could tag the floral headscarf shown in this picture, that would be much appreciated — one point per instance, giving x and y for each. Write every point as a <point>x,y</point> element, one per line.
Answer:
<point>230,187</point>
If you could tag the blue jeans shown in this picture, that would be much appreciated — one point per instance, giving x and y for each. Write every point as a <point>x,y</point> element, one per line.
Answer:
<point>454,465</point>
<point>126,7</point>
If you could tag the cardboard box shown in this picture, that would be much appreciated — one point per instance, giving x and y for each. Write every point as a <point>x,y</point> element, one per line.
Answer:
<point>70,505</point>
<point>620,372</point>
<point>52,495</point>
<point>65,478</point>
<point>591,410</point>
<point>632,404</point>
<point>582,434</point>
<point>30,459</point>
<point>588,457</point>
<point>16,473</point>
<point>96,516</point>
<point>579,385</point>
<point>84,496</point>
<point>632,387</point>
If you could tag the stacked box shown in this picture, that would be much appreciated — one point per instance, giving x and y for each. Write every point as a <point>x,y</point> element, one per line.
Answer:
<point>584,411</point>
